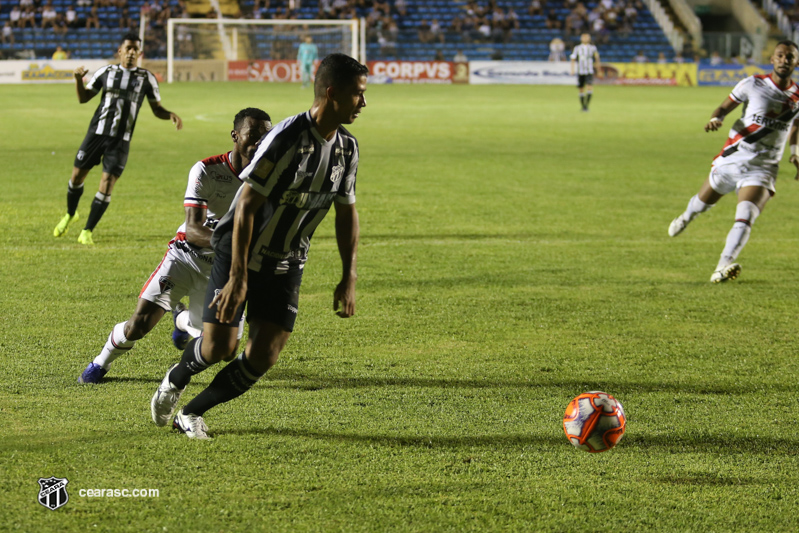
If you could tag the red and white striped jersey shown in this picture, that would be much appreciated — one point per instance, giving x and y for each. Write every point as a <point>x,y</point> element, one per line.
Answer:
<point>212,186</point>
<point>758,138</point>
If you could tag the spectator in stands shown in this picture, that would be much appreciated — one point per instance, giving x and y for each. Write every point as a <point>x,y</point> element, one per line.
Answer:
<point>15,17</point>
<point>93,20</point>
<point>60,53</point>
<point>439,56</point>
<point>716,59</point>
<point>468,29</point>
<point>640,57</point>
<point>678,58</point>
<point>28,18</point>
<point>436,31</point>
<point>557,49</point>
<point>125,22</point>
<point>574,24</point>
<point>535,8</point>
<point>387,46</point>
<point>84,3</point>
<point>662,58</point>
<point>48,15</point>
<point>60,27</point>
<point>8,33</point>
<point>72,17</point>
<point>483,30</point>
<point>553,21</point>
<point>423,32</point>
<point>599,33</point>
<point>460,57</point>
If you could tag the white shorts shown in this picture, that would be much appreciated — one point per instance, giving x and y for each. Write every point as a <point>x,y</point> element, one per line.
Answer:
<point>181,273</point>
<point>732,177</point>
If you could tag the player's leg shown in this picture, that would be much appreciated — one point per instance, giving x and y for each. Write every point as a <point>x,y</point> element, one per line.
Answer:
<point>272,311</point>
<point>751,202</point>
<point>115,157</point>
<point>698,204</point>
<point>589,91</point>
<point>264,345</point>
<point>88,156</point>
<point>122,339</point>
<point>581,90</point>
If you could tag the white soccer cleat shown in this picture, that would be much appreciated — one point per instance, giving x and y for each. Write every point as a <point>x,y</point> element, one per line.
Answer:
<point>192,425</point>
<point>729,272</point>
<point>677,226</point>
<point>164,401</point>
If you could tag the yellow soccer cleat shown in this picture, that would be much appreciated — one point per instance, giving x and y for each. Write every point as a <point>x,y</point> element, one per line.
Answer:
<point>63,226</point>
<point>85,237</point>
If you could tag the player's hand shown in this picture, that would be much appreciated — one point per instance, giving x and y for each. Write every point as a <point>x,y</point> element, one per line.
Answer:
<point>229,299</point>
<point>344,298</point>
<point>795,160</point>
<point>713,124</point>
<point>80,72</point>
<point>176,121</point>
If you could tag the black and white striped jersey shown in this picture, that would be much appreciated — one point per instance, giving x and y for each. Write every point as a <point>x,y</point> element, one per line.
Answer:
<point>300,174</point>
<point>584,54</point>
<point>123,91</point>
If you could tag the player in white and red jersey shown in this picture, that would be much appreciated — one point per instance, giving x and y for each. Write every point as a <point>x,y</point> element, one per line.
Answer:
<point>749,161</point>
<point>186,266</point>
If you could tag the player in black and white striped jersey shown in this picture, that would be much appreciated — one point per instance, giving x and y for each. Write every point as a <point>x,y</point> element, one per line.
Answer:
<point>124,87</point>
<point>585,57</point>
<point>304,165</point>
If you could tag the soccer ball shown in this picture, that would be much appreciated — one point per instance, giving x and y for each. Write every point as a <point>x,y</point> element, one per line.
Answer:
<point>594,421</point>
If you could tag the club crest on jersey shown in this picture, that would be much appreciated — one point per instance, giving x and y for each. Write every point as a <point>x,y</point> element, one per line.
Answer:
<point>53,492</point>
<point>166,284</point>
<point>336,173</point>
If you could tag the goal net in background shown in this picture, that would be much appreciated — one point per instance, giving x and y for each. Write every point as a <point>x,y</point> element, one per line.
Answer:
<point>252,41</point>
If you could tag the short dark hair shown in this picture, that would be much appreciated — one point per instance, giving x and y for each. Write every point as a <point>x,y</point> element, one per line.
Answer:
<point>252,112</point>
<point>337,70</point>
<point>130,36</point>
<point>788,43</point>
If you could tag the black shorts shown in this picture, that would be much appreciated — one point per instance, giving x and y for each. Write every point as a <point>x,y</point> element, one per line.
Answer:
<point>585,79</point>
<point>271,297</point>
<point>113,151</point>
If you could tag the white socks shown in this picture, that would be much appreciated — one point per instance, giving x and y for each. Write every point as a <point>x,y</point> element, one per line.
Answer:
<point>183,323</point>
<point>745,215</point>
<point>116,345</point>
<point>695,206</point>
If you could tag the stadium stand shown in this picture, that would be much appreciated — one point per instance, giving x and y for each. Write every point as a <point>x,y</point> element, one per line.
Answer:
<point>407,32</point>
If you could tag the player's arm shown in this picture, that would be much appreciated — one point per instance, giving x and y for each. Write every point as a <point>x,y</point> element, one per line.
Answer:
<point>197,233</point>
<point>84,95</point>
<point>717,117</point>
<point>597,65</point>
<point>793,141</point>
<point>234,292</point>
<point>572,61</point>
<point>160,112</point>
<point>347,234</point>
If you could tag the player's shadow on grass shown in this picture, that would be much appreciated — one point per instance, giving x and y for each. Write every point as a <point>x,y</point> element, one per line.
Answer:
<point>291,379</point>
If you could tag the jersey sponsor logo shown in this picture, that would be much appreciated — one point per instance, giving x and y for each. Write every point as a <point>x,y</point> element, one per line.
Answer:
<point>307,200</point>
<point>305,150</point>
<point>292,309</point>
<point>769,122</point>
<point>336,173</point>
<point>166,284</point>
<point>342,151</point>
<point>224,178</point>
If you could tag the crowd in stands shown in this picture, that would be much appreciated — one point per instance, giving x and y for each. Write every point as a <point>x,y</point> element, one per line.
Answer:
<point>473,21</point>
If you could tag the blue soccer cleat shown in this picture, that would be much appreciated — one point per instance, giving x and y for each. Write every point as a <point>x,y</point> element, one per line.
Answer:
<point>180,338</point>
<point>92,375</point>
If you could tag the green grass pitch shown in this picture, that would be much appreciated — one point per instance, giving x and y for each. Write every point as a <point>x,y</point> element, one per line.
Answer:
<point>513,254</point>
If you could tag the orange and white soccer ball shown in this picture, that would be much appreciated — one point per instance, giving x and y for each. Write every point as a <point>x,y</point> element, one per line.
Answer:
<point>594,421</point>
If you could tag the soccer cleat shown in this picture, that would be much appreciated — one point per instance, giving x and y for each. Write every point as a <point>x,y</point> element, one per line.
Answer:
<point>85,237</point>
<point>180,338</point>
<point>63,226</point>
<point>677,226</point>
<point>92,375</point>
<point>192,425</point>
<point>165,400</point>
<point>729,272</point>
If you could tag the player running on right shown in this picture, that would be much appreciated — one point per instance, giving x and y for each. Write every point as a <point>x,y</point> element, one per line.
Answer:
<point>749,161</point>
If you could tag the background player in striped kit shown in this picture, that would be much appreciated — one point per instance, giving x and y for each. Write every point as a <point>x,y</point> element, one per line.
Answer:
<point>124,87</point>
<point>184,270</point>
<point>585,57</point>
<point>749,161</point>
<point>304,165</point>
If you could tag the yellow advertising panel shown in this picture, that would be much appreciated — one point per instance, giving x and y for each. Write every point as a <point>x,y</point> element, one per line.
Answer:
<point>682,74</point>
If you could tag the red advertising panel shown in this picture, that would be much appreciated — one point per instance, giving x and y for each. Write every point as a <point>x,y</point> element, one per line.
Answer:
<point>411,71</point>
<point>286,70</point>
